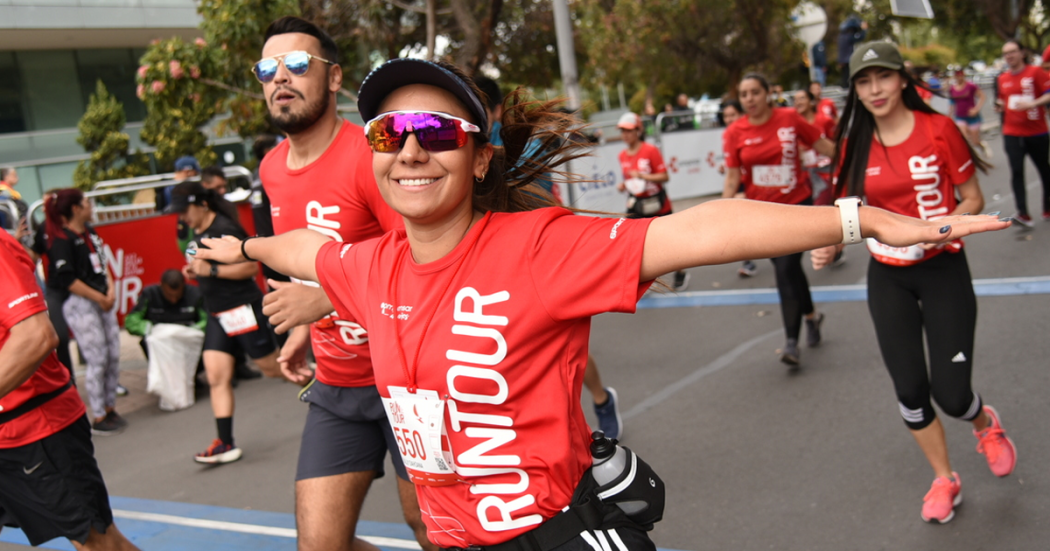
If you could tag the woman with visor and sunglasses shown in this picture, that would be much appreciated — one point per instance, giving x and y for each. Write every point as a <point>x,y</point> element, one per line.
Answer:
<point>479,345</point>
<point>903,156</point>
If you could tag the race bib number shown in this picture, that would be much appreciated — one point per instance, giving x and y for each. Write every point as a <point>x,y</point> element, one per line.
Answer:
<point>96,263</point>
<point>809,158</point>
<point>1013,100</point>
<point>636,186</point>
<point>896,256</point>
<point>773,175</point>
<point>418,422</point>
<point>238,321</point>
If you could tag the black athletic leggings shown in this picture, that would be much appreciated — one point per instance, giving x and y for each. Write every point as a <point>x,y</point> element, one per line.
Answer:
<point>1038,148</point>
<point>935,295</point>
<point>793,289</point>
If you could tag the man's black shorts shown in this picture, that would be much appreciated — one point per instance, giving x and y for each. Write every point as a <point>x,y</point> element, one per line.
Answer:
<point>346,431</point>
<point>257,344</point>
<point>52,488</point>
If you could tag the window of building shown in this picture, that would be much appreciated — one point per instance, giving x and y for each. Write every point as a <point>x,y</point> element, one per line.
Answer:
<point>12,108</point>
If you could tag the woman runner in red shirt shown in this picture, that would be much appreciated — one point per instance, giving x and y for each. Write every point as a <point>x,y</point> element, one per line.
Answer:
<point>762,153</point>
<point>906,158</point>
<point>480,345</point>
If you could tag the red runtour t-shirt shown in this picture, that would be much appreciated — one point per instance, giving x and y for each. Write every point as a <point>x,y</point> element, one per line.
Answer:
<point>827,107</point>
<point>500,327</point>
<point>1029,85</point>
<point>768,156</point>
<point>20,298</point>
<point>918,176</point>
<point>337,196</point>
<point>648,160</point>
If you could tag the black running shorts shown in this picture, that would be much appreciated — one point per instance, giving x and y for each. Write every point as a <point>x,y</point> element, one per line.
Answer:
<point>346,431</point>
<point>257,344</point>
<point>52,488</point>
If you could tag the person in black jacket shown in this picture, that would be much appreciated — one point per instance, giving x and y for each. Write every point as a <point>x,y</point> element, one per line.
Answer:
<point>77,268</point>
<point>172,301</point>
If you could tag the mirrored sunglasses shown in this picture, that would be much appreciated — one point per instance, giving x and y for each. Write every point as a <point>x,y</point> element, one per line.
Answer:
<point>435,131</point>
<point>297,63</point>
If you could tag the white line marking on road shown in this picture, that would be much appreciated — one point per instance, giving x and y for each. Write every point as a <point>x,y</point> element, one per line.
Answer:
<point>720,363</point>
<point>248,528</point>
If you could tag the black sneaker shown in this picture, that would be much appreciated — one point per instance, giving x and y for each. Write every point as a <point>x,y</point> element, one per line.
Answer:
<point>106,427</point>
<point>790,354</point>
<point>813,330</point>
<point>747,269</point>
<point>117,419</point>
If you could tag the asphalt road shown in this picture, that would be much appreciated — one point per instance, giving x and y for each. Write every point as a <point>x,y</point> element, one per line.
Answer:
<point>754,457</point>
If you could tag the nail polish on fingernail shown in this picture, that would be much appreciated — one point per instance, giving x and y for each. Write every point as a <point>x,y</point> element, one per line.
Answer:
<point>1006,219</point>
<point>996,213</point>
<point>191,252</point>
<point>945,229</point>
<point>965,214</point>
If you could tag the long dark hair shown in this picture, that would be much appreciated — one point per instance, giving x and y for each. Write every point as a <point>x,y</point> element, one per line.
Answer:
<point>511,182</point>
<point>58,209</point>
<point>855,133</point>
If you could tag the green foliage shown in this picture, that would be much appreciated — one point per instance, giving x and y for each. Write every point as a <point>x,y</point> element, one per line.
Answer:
<point>101,135</point>
<point>178,102</point>
<point>933,55</point>
<point>686,45</point>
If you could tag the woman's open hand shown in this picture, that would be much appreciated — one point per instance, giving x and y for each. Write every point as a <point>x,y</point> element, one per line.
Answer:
<point>903,231</point>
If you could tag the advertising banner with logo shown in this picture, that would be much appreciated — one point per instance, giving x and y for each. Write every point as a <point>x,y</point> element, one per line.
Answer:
<point>692,159</point>
<point>139,251</point>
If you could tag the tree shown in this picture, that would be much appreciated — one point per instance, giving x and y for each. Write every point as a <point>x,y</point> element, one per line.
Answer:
<point>101,135</point>
<point>178,101</point>
<point>699,43</point>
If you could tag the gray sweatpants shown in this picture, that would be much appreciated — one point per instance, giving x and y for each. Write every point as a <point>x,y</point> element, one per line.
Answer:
<point>98,338</point>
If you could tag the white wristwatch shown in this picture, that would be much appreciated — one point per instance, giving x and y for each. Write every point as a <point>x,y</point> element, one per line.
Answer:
<point>849,210</point>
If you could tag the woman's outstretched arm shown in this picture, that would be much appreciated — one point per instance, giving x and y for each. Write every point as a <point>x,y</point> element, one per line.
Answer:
<point>293,253</point>
<point>722,231</point>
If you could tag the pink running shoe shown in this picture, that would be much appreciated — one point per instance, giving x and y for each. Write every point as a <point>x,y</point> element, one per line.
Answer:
<point>997,448</point>
<point>940,502</point>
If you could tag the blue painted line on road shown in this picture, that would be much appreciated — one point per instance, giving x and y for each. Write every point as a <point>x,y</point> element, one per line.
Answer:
<point>170,526</point>
<point>834,293</point>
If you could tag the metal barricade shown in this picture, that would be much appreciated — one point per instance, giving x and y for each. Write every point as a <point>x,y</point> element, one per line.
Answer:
<point>132,198</point>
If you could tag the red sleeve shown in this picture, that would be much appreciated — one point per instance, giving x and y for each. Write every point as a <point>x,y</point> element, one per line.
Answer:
<point>20,295</point>
<point>600,256</point>
<point>1042,78</point>
<point>960,163</point>
<point>342,271</point>
<point>805,133</point>
<point>730,151</point>
<point>656,161</point>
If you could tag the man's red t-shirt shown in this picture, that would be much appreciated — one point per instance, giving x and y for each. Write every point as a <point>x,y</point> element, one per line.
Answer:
<point>648,160</point>
<point>768,156</point>
<point>337,196</point>
<point>828,109</point>
<point>20,298</point>
<point>1027,85</point>
<point>499,328</point>
<point>917,178</point>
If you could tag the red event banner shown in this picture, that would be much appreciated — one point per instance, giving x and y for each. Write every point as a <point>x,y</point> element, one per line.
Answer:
<point>139,251</point>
